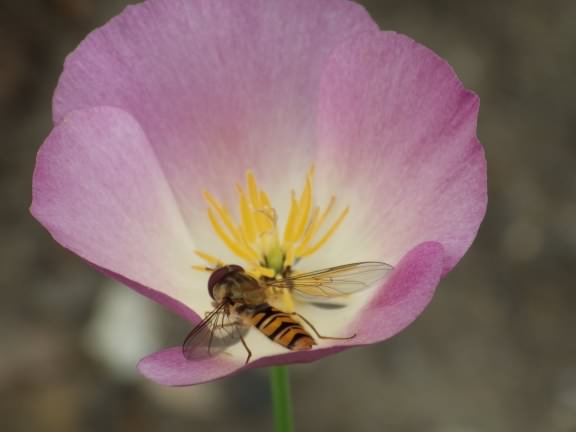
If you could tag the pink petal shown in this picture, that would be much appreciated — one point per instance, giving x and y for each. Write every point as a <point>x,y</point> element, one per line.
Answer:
<point>397,304</point>
<point>169,367</point>
<point>404,297</point>
<point>397,135</point>
<point>219,86</point>
<point>100,192</point>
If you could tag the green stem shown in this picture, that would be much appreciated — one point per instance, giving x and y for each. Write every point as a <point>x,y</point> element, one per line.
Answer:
<point>281,399</point>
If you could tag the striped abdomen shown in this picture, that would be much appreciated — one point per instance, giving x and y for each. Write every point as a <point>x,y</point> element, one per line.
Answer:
<point>282,328</point>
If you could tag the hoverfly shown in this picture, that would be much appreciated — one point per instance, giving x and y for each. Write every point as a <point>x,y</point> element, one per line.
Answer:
<point>241,301</point>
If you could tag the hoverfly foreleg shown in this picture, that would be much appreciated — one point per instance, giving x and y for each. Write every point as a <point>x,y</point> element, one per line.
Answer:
<point>316,331</point>
<point>210,343</point>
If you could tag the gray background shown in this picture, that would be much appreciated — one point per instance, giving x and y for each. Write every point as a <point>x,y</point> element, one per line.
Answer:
<point>495,351</point>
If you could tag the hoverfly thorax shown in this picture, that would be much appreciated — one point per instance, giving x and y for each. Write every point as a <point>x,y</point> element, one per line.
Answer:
<point>232,282</point>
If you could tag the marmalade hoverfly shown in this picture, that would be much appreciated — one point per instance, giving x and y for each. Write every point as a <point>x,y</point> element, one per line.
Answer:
<point>241,301</point>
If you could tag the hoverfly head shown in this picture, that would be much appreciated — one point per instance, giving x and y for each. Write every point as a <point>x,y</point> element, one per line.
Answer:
<point>220,275</point>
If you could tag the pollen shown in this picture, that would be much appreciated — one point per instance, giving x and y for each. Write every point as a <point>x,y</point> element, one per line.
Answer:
<point>255,236</point>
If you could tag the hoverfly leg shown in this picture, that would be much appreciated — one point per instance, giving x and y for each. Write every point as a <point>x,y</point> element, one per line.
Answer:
<point>210,343</point>
<point>318,335</point>
<point>245,346</point>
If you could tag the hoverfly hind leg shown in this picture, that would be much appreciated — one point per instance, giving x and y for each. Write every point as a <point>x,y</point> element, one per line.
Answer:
<point>318,335</point>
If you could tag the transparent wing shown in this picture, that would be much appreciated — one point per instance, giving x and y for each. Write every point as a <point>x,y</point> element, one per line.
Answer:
<point>216,332</point>
<point>334,282</point>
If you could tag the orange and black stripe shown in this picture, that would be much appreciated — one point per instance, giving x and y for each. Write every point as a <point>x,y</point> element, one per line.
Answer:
<point>282,328</point>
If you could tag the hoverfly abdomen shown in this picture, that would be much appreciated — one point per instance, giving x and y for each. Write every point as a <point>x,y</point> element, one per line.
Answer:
<point>281,328</point>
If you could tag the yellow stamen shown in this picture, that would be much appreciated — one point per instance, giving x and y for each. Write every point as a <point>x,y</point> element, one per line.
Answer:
<point>223,213</point>
<point>248,226</point>
<point>304,207</point>
<point>209,258</point>
<point>272,216</point>
<point>202,268</point>
<point>253,190</point>
<point>234,247</point>
<point>329,208</point>
<point>312,229</point>
<point>263,221</point>
<point>290,256</point>
<point>265,200</point>
<point>326,236</point>
<point>292,216</point>
<point>262,271</point>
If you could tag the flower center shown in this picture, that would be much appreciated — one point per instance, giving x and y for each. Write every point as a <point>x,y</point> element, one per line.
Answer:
<point>257,239</point>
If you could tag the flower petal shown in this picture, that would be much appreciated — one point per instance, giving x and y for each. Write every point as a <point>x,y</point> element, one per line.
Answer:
<point>219,86</point>
<point>397,135</point>
<point>399,302</point>
<point>395,305</point>
<point>100,192</point>
<point>169,367</point>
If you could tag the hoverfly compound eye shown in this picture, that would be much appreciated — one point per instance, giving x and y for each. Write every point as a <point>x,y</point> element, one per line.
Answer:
<point>219,275</point>
<point>235,268</point>
<point>215,278</point>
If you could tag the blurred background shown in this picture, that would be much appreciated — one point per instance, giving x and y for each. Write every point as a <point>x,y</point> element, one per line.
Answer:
<point>495,351</point>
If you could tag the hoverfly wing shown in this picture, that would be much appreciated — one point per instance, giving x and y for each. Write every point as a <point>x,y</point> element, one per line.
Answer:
<point>334,282</point>
<point>216,332</point>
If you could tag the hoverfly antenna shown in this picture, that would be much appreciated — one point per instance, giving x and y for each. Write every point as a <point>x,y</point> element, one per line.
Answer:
<point>221,274</point>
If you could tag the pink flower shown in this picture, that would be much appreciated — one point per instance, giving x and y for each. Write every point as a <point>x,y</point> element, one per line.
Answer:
<point>174,97</point>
